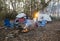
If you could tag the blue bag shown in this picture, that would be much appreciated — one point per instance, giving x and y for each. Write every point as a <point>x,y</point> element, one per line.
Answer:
<point>42,23</point>
<point>7,23</point>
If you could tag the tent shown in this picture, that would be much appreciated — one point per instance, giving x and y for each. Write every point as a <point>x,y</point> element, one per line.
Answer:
<point>21,15</point>
<point>44,17</point>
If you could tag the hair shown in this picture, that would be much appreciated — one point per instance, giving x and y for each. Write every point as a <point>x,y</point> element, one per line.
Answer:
<point>17,20</point>
<point>26,17</point>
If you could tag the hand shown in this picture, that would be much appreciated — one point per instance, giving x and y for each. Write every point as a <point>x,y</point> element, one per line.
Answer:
<point>25,27</point>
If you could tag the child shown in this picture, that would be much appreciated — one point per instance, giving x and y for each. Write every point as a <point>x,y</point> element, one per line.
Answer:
<point>29,25</point>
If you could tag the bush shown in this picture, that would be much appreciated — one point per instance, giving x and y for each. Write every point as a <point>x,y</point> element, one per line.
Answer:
<point>9,15</point>
<point>55,18</point>
<point>2,16</point>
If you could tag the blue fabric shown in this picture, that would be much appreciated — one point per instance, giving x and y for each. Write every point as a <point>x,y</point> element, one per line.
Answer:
<point>7,22</point>
<point>43,23</point>
<point>11,25</point>
<point>28,22</point>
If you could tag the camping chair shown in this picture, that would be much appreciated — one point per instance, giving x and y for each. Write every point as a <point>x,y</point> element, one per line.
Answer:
<point>7,23</point>
<point>42,23</point>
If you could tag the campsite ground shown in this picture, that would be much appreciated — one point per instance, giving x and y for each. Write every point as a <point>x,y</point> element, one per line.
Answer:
<point>51,32</point>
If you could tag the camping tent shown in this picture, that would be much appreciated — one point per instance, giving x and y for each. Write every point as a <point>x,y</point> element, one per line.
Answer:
<point>44,17</point>
<point>21,15</point>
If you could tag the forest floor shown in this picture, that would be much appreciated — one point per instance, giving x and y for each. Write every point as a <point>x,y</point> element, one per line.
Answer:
<point>51,32</point>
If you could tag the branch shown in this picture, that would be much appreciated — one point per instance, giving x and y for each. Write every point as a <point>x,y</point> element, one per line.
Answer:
<point>46,4</point>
